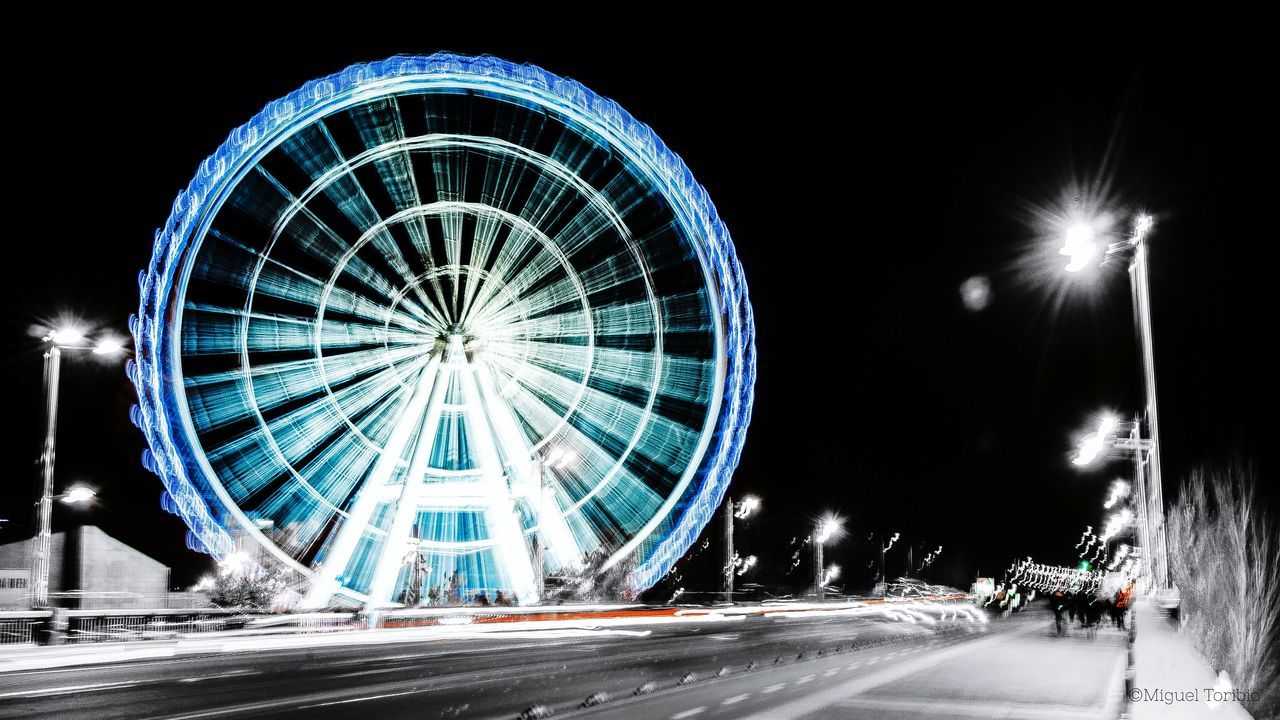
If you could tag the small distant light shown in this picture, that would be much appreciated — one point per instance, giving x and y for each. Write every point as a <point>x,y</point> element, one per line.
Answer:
<point>833,572</point>
<point>559,458</point>
<point>1141,227</point>
<point>975,293</point>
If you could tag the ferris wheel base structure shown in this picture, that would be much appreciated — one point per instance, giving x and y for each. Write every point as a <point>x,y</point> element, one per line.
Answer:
<point>444,324</point>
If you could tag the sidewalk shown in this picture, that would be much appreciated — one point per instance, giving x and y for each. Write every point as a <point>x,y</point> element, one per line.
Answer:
<point>1171,679</point>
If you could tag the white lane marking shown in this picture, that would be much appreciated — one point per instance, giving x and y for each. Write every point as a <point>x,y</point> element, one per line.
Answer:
<point>687,713</point>
<point>774,688</point>
<point>359,699</point>
<point>378,671</point>
<point>805,679</point>
<point>831,672</point>
<point>233,673</point>
<point>68,689</point>
<point>873,661</point>
<point>853,666</point>
<point>736,699</point>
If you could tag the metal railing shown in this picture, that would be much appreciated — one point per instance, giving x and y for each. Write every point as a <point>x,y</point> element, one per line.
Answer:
<point>20,628</point>
<point>85,626</point>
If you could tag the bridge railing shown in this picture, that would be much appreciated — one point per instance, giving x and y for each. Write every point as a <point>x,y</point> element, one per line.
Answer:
<point>21,627</point>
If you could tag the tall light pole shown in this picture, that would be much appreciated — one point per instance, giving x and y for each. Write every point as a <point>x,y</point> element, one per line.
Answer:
<point>1141,290</point>
<point>58,340</point>
<point>557,458</point>
<point>1079,245</point>
<point>1109,437</point>
<point>884,577</point>
<point>741,510</point>
<point>827,528</point>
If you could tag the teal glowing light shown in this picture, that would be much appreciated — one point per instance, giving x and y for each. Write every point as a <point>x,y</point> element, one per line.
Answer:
<point>388,301</point>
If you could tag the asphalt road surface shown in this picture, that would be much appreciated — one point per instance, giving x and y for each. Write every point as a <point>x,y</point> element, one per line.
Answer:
<point>759,667</point>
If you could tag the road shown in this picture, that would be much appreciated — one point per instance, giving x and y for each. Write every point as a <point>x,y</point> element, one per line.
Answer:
<point>807,666</point>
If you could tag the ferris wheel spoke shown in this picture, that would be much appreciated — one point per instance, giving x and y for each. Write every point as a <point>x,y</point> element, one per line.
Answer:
<point>315,152</point>
<point>299,232</point>
<point>484,241</point>
<point>516,247</point>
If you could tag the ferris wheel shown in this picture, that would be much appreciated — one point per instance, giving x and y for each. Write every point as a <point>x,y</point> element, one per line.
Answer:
<point>450,306</point>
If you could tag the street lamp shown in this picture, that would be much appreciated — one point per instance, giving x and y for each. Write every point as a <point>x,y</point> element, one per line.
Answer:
<point>1079,244</point>
<point>1094,443</point>
<point>884,578</point>
<point>1150,535</point>
<point>928,559</point>
<point>66,338</point>
<point>740,510</point>
<point>556,458</point>
<point>1119,491</point>
<point>77,495</point>
<point>828,528</point>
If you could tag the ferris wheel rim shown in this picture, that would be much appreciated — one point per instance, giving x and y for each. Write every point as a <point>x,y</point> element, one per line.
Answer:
<point>722,276</point>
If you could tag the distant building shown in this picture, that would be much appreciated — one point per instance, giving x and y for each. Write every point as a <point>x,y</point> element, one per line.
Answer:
<point>88,570</point>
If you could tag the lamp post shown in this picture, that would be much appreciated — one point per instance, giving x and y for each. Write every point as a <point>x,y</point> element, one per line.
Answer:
<point>884,577</point>
<point>556,458</point>
<point>827,528</point>
<point>740,510</point>
<point>58,340</point>
<point>1079,245</point>
<point>1141,290</point>
<point>1111,435</point>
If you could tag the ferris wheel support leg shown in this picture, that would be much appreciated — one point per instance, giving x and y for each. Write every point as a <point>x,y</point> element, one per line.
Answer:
<point>553,531</point>
<point>327,578</point>
<point>406,512</point>
<point>501,516</point>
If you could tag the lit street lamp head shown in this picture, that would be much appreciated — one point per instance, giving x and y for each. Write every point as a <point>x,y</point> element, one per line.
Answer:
<point>109,346</point>
<point>829,527</point>
<point>1094,443</point>
<point>1141,227</point>
<point>78,494</point>
<point>65,336</point>
<point>1079,246</point>
<point>746,506</point>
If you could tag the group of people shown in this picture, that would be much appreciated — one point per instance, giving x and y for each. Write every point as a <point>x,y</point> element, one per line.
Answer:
<point>499,600</point>
<point>1090,608</point>
<point>453,592</point>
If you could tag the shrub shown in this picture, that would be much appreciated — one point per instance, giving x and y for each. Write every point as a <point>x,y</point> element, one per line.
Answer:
<point>251,587</point>
<point>1222,555</point>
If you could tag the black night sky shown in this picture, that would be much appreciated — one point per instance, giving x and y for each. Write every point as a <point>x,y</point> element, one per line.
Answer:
<point>862,188</point>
